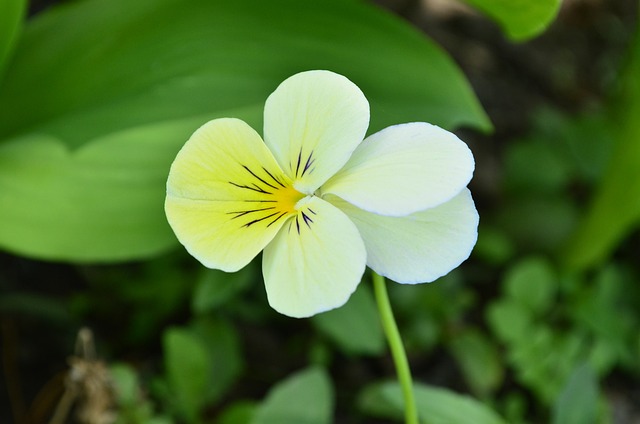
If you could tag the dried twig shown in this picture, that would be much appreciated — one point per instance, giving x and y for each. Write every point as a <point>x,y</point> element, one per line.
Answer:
<point>88,386</point>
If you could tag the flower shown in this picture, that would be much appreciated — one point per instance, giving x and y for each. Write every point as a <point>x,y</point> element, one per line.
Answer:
<point>320,202</point>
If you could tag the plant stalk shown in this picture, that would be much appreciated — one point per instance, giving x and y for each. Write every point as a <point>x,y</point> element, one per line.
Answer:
<point>397,348</point>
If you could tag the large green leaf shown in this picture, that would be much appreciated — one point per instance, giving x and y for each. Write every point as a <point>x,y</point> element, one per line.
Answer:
<point>520,19</point>
<point>11,15</point>
<point>101,201</point>
<point>616,206</point>
<point>88,143</point>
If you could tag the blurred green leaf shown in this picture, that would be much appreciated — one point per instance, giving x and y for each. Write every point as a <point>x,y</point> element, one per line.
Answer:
<point>427,314</point>
<point>479,361</point>
<point>132,407</point>
<point>522,167</point>
<point>12,13</point>
<point>215,288</point>
<point>158,420</point>
<point>435,405</point>
<point>44,307</point>
<point>615,209</point>
<point>355,327</point>
<point>148,293</point>
<point>604,355</point>
<point>605,308</point>
<point>188,368</point>
<point>125,382</point>
<point>493,245</point>
<point>88,143</point>
<point>520,19</point>
<point>241,412</point>
<point>514,407</point>
<point>223,350</point>
<point>545,359</point>
<point>509,320</point>
<point>578,401</point>
<point>539,222</point>
<point>533,283</point>
<point>582,142</point>
<point>303,398</point>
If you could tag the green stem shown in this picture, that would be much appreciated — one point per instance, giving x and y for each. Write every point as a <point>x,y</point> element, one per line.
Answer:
<point>397,348</point>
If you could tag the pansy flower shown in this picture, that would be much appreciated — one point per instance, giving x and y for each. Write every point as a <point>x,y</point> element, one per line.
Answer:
<point>319,199</point>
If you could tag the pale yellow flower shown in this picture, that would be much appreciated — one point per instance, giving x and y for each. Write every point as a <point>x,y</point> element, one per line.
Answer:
<point>321,202</point>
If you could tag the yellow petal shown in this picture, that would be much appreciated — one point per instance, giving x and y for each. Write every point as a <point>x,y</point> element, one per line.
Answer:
<point>226,195</point>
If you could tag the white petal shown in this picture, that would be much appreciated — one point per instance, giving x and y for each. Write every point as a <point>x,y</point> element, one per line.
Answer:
<point>314,263</point>
<point>312,123</point>
<point>226,196</point>
<point>420,247</point>
<point>404,169</point>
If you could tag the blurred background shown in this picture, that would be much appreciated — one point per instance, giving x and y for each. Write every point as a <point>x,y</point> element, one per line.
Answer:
<point>105,319</point>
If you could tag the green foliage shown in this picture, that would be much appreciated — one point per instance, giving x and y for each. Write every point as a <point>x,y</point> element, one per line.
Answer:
<point>132,407</point>
<point>493,246</point>
<point>93,137</point>
<point>224,354</point>
<point>11,15</point>
<point>615,210</point>
<point>126,383</point>
<point>520,19</point>
<point>188,369</point>
<point>550,324</point>
<point>435,405</point>
<point>241,412</point>
<point>605,308</point>
<point>519,319</point>
<point>430,313</point>
<point>523,167</point>
<point>479,360</point>
<point>35,306</point>
<point>584,144</point>
<point>201,363</point>
<point>355,327</point>
<point>303,398</point>
<point>550,221</point>
<point>532,283</point>
<point>91,204</point>
<point>215,288</point>
<point>147,293</point>
<point>538,197</point>
<point>542,170</point>
<point>578,401</point>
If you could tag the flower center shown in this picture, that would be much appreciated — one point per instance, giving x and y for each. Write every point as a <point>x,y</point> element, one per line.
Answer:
<point>287,198</point>
<point>268,198</point>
